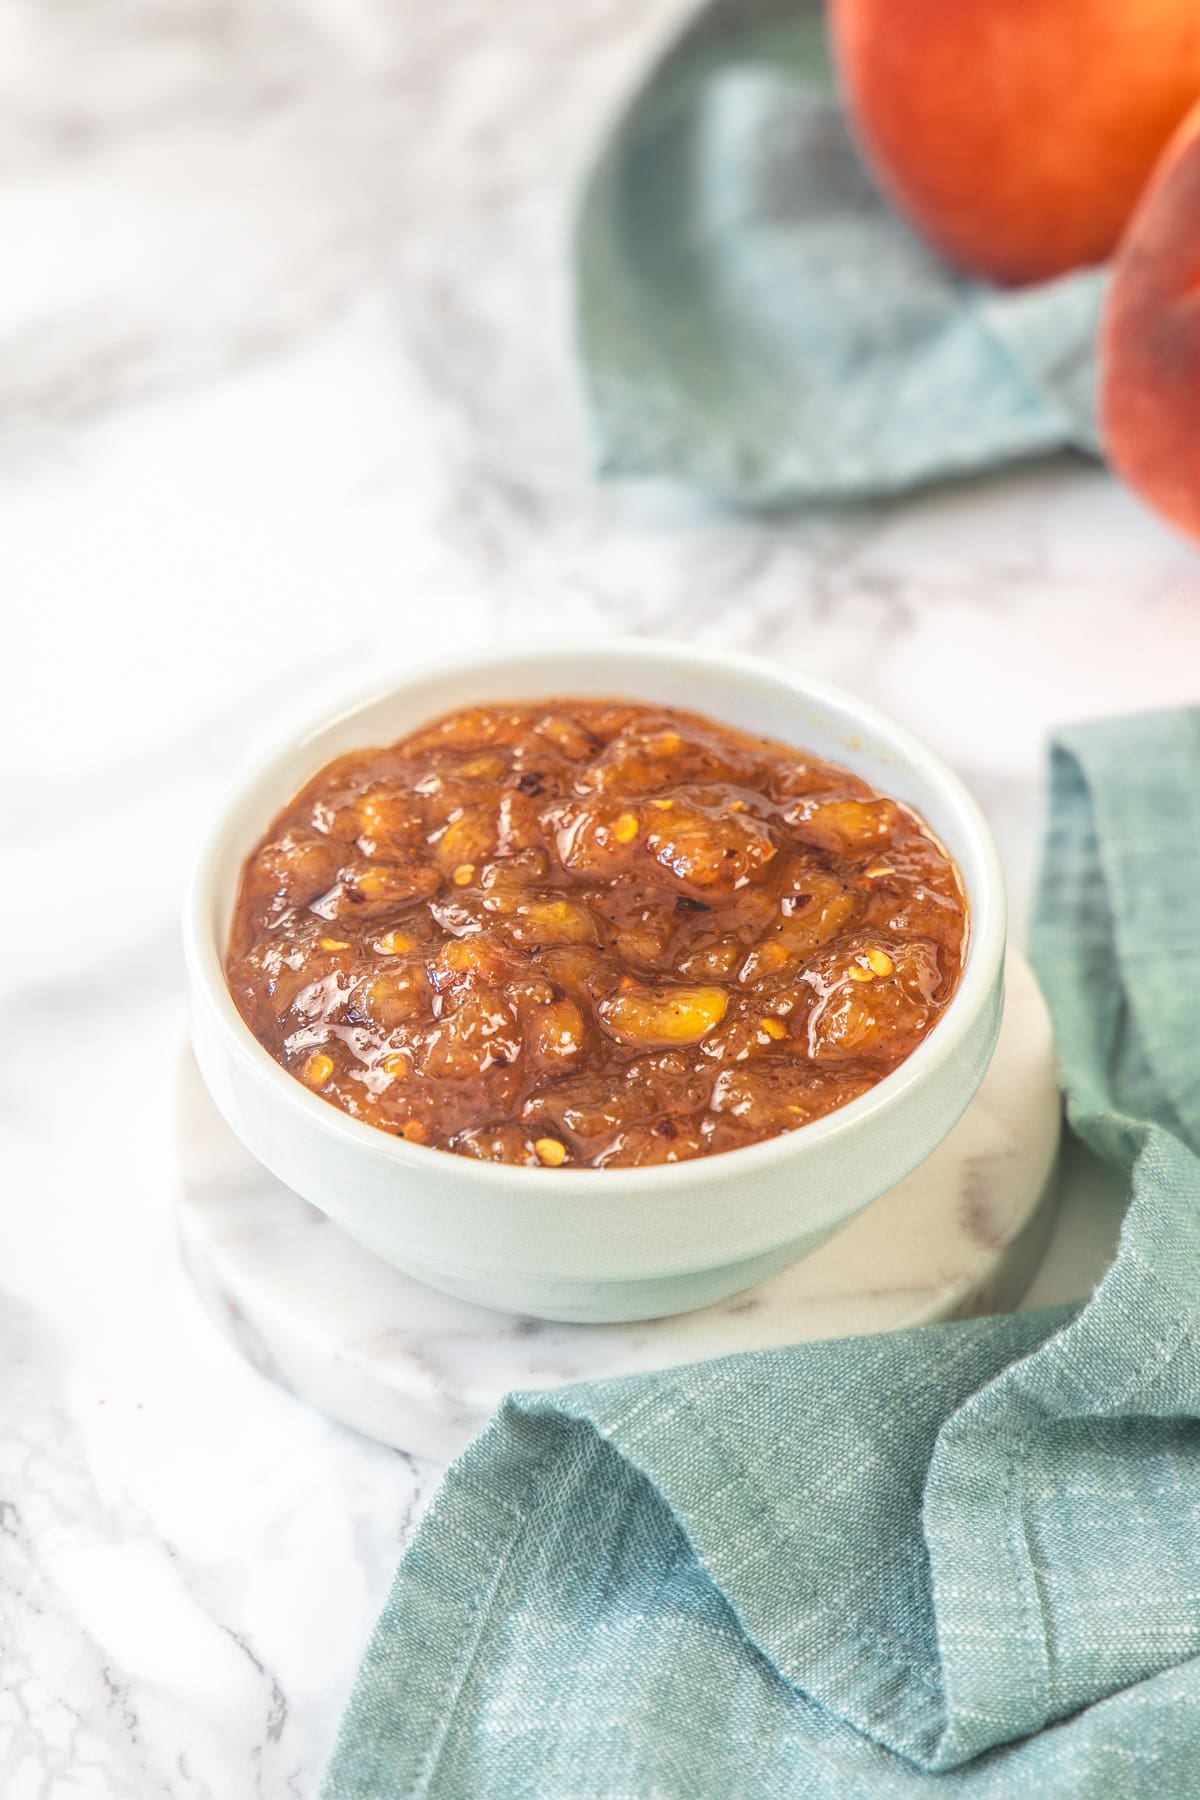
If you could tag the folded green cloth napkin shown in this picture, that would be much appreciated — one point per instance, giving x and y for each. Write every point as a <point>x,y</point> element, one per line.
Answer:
<point>753,319</point>
<point>963,1559</point>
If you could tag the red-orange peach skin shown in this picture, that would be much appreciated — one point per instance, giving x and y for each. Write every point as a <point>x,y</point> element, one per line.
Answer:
<point>1150,340</point>
<point>1016,135</point>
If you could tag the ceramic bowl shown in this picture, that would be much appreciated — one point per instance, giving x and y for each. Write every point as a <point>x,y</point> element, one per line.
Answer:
<point>587,1244</point>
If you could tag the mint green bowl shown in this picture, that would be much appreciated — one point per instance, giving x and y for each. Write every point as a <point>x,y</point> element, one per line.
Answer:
<point>597,1245</point>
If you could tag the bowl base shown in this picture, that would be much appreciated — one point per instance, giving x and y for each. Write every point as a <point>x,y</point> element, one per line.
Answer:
<point>422,1370</point>
<point>606,1302</point>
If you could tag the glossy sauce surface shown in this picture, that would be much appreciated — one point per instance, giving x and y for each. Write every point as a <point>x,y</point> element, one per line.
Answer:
<point>592,933</point>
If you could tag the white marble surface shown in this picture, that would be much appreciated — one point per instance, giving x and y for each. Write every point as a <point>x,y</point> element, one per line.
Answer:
<point>286,398</point>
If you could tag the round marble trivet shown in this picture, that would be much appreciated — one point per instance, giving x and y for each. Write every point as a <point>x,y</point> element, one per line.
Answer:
<point>422,1371</point>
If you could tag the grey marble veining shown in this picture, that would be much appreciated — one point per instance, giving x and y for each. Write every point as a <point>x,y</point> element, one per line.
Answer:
<point>286,401</point>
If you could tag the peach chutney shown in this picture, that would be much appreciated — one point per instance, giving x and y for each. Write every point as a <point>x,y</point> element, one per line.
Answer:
<point>595,934</point>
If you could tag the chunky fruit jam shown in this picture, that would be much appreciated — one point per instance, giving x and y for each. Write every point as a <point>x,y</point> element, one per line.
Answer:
<point>592,933</point>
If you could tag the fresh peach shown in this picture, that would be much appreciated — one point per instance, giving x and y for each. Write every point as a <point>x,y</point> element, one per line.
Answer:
<point>1150,339</point>
<point>1016,135</point>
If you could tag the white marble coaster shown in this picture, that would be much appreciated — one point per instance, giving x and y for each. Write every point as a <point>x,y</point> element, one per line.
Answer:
<point>422,1371</point>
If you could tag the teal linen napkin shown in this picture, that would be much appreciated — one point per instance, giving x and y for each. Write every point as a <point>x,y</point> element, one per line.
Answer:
<point>963,1559</point>
<point>752,318</point>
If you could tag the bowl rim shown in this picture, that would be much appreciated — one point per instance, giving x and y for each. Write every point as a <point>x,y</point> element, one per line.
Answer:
<point>204,957</point>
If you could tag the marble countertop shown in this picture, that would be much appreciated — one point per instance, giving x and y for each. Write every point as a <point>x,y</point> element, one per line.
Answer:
<point>286,400</point>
